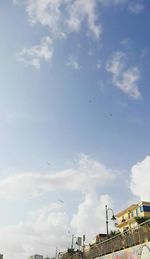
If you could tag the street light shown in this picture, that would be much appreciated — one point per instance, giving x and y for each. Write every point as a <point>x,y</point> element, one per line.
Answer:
<point>113,218</point>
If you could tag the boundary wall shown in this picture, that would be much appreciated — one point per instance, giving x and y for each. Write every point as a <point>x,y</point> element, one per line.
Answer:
<point>136,252</point>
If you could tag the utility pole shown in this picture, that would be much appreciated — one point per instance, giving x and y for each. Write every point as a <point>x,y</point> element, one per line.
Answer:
<point>106,220</point>
<point>72,241</point>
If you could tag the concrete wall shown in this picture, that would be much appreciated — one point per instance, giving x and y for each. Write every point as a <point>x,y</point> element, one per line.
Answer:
<point>136,252</point>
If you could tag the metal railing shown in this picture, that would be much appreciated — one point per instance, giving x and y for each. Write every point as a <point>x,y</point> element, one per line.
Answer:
<point>135,236</point>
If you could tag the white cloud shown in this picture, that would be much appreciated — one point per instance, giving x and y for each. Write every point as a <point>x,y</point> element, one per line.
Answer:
<point>87,175</point>
<point>50,227</point>
<point>136,7</point>
<point>81,10</point>
<point>140,178</point>
<point>130,78</point>
<point>125,41</point>
<point>33,56</point>
<point>124,78</point>
<point>72,62</point>
<point>63,16</point>
<point>46,13</point>
<point>38,234</point>
<point>91,213</point>
<point>116,64</point>
<point>99,64</point>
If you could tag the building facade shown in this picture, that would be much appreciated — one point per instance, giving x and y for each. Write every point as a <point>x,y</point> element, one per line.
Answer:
<point>126,218</point>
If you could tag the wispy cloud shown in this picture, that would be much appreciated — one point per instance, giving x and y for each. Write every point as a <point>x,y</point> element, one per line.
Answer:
<point>81,10</point>
<point>125,41</point>
<point>85,176</point>
<point>46,13</point>
<point>62,16</point>
<point>136,7</point>
<point>72,62</point>
<point>99,64</point>
<point>123,77</point>
<point>112,2</point>
<point>34,55</point>
<point>133,6</point>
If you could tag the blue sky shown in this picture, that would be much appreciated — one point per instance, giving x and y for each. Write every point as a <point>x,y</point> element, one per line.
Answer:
<point>74,118</point>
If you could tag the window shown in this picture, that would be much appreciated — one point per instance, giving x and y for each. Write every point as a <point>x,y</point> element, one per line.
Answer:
<point>146,208</point>
<point>141,208</point>
<point>137,212</point>
<point>123,219</point>
<point>132,214</point>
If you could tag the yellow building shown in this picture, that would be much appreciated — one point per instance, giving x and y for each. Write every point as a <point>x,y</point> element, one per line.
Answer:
<point>126,218</point>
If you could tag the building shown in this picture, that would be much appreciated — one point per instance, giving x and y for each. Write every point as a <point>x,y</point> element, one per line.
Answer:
<point>36,257</point>
<point>100,237</point>
<point>126,218</point>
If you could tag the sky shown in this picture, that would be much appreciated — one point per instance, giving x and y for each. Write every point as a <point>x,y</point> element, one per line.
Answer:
<point>74,119</point>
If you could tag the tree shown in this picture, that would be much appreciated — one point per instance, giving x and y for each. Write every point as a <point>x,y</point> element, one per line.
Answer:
<point>71,251</point>
<point>113,233</point>
<point>140,220</point>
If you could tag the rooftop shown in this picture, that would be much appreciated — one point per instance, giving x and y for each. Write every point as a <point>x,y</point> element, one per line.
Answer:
<point>131,207</point>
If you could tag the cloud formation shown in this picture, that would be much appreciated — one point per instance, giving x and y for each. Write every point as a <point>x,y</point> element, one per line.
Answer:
<point>72,62</point>
<point>87,175</point>
<point>34,55</point>
<point>63,16</point>
<point>140,178</point>
<point>99,64</point>
<point>136,7</point>
<point>41,228</point>
<point>40,233</point>
<point>52,225</point>
<point>91,213</point>
<point>123,77</point>
<point>133,6</point>
<point>112,2</point>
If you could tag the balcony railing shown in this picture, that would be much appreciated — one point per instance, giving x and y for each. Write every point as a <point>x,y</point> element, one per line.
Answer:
<point>135,236</point>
